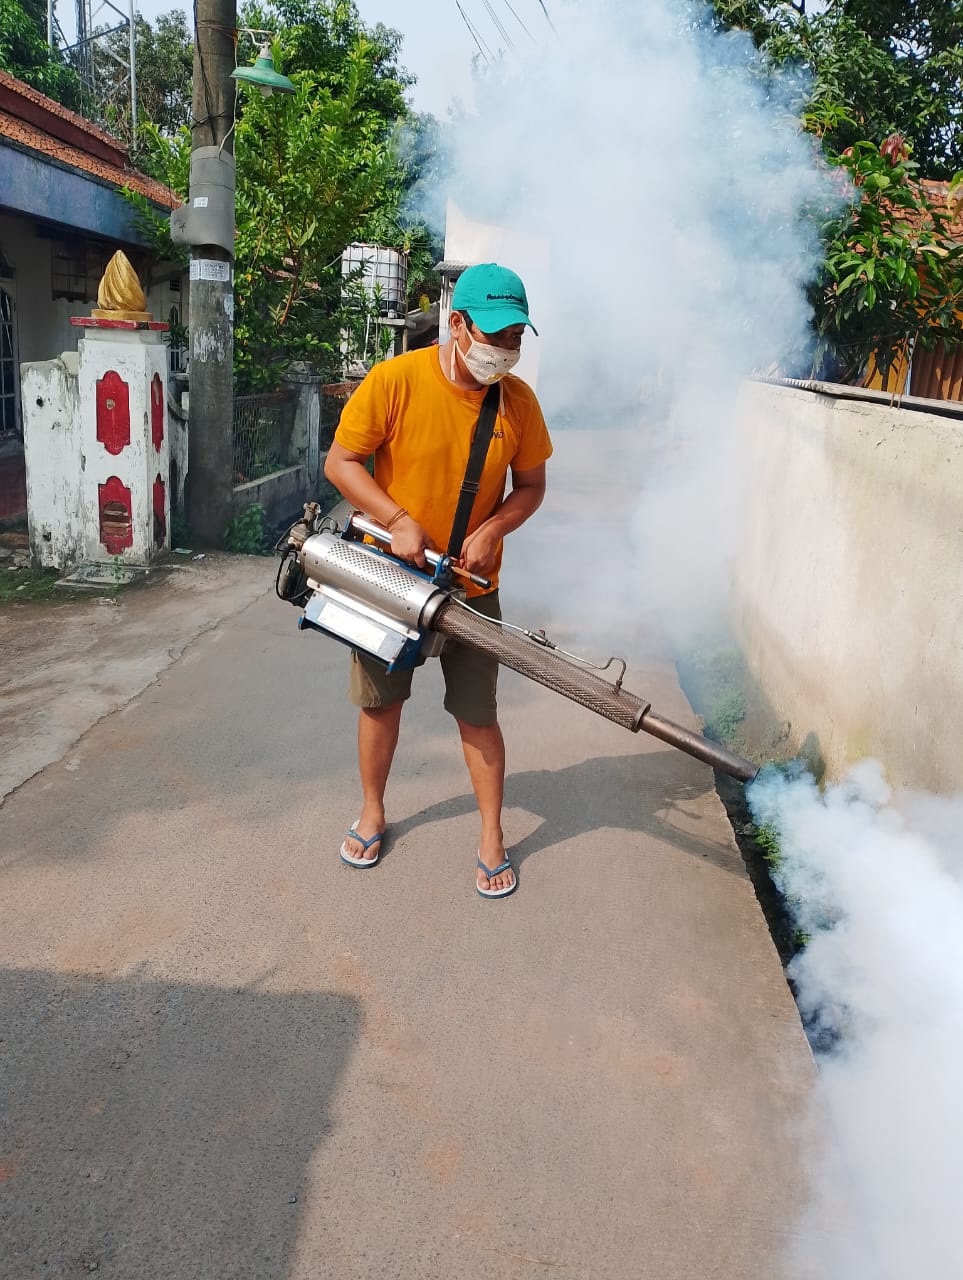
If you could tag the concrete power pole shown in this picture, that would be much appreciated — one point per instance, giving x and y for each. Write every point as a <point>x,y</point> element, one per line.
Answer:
<point>207,225</point>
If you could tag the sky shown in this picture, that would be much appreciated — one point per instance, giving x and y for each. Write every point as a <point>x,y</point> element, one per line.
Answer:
<point>438,45</point>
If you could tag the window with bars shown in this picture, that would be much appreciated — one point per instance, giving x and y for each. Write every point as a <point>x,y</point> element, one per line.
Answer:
<point>77,264</point>
<point>177,340</point>
<point>8,368</point>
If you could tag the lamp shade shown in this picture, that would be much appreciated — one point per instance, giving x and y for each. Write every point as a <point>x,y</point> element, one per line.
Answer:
<point>263,75</point>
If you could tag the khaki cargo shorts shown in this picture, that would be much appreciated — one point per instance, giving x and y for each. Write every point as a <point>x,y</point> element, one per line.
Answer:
<point>470,677</point>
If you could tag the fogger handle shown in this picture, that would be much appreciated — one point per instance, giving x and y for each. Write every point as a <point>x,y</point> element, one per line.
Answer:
<point>365,525</point>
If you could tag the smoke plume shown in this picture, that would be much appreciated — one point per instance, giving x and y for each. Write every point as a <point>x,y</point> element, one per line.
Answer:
<point>875,882</point>
<point>665,174</point>
<point>662,169</point>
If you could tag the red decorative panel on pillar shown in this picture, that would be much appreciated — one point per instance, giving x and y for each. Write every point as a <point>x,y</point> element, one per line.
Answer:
<point>114,513</point>
<point>160,513</point>
<point>113,412</point>
<point>156,412</point>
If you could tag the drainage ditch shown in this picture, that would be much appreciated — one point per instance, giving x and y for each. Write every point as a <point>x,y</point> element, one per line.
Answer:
<point>735,714</point>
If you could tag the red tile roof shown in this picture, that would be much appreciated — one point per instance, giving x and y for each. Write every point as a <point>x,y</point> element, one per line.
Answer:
<point>938,194</point>
<point>29,119</point>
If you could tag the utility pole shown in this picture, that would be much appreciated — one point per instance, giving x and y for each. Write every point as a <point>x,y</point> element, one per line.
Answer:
<point>207,225</point>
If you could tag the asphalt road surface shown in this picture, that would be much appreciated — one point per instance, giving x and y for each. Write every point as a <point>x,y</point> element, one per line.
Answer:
<point>223,1054</point>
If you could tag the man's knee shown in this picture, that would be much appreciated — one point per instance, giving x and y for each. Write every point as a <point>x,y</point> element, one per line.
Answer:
<point>383,715</point>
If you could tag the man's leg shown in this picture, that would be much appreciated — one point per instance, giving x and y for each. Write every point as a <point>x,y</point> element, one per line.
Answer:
<point>471,680</point>
<point>484,749</point>
<point>377,739</point>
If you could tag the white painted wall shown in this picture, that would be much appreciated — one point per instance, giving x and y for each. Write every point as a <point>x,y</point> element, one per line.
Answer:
<point>849,587</point>
<point>136,356</point>
<point>66,463</point>
<point>57,514</point>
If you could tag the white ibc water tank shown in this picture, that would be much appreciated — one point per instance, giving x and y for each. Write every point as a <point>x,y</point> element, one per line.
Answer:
<point>385,275</point>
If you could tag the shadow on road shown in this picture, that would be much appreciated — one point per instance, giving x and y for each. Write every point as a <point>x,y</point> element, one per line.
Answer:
<point>653,793</point>
<point>154,1129</point>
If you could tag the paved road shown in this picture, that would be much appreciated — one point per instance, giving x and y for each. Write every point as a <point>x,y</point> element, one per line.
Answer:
<point>225,1055</point>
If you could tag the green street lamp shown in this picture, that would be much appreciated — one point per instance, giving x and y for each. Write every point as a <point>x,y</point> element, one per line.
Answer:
<point>263,75</point>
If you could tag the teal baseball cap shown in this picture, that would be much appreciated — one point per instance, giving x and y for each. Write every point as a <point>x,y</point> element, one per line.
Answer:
<point>493,296</point>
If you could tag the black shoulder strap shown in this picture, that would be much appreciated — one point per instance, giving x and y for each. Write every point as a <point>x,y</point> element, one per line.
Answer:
<point>476,462</point>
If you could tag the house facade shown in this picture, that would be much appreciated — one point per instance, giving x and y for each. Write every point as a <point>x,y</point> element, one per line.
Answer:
<point>61,220</point>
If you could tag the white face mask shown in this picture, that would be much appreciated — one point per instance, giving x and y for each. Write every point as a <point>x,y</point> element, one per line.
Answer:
<point>485,364</point>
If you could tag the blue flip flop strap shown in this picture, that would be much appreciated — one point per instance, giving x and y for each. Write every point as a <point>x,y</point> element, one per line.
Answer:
<point>494,871</point>
<point>365,844</point>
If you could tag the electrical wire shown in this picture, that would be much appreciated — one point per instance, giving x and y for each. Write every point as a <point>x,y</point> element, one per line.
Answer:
<point>498,26</point>
<point>483,49</point>
<point>511,9</point>
<point>207,117</point>
<point>547,17</point>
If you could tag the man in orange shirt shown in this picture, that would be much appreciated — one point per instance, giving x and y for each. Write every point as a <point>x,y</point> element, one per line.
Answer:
<point>417,415</point>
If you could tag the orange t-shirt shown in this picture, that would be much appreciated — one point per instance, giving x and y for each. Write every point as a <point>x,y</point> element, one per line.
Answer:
<point>419,426</point>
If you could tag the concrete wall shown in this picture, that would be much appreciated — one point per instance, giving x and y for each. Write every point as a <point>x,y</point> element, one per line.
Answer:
<point>281,494</point>
<point>849,591</point>
<point>306,427</point>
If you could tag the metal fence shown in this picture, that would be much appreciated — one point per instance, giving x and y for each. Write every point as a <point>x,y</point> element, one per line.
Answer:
<point>262,434</point>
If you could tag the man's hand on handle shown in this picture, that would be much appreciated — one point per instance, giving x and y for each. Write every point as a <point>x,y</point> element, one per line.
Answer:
<point>409,541</point>
<point>479,550</point>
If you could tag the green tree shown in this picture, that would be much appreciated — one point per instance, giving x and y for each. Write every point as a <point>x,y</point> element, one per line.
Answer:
<point>889,66</point>
<point>319,36</point>
<point>884,95</point>
<point>404,217</point>
<point>311,167</point>
<point>24,52</point>
<point>893,271</point>
<point>164,56</point>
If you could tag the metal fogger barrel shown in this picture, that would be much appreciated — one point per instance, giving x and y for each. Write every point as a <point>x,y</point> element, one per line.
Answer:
<point>563,676</point>
<point>372,601</point>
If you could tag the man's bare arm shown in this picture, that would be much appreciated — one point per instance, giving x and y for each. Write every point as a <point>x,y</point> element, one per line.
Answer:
<point>350,476</point>
<point>528,490</point>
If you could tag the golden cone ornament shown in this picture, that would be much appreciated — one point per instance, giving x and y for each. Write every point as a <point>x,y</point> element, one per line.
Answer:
<point>119,295</point>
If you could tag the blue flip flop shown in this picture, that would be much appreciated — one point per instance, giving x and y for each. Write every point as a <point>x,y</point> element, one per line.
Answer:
<point>495,871</point>
<point>361,863</point>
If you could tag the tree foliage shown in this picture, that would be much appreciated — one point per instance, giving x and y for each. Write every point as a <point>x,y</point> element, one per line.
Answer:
<point>884,95</point>
<point>316,170</point>
<point>24,52</point>
<point>892,66</point>
<point>322,37</point>
<point>311,167</point>
<point>404,217</point>
<point>164,56</point>
<point>893,274</point>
